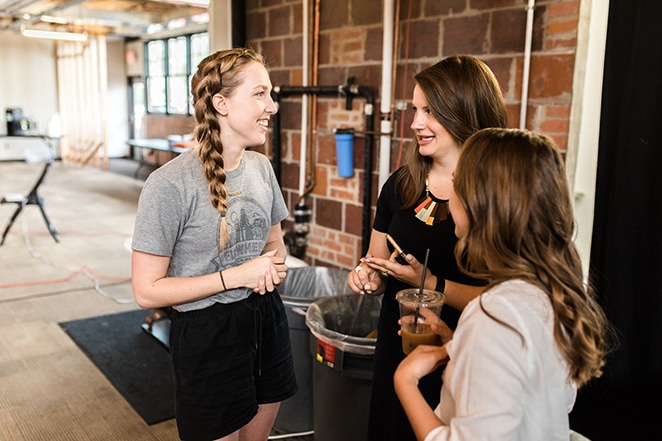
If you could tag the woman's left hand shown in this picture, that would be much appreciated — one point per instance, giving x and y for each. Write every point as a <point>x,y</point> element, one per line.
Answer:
<point>410,274</point>
<point>423,360</point>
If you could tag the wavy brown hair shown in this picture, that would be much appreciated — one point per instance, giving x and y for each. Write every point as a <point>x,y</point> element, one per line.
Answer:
<point>219,73</point>
<point>464,96</point>
<point>513,186</point>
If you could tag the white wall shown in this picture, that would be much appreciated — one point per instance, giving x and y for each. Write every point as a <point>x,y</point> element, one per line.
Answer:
<point>28,78</point>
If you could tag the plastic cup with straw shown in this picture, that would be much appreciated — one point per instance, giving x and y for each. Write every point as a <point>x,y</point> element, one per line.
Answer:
<point>418,307</point>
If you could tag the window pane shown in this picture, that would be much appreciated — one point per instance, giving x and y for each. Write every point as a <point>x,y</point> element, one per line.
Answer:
<point>177,95</point>
<point>156,58</point>
<point>191,110</point>
<point>138,109</point>
<point>177,56</point>
<point>199,49</point>
<point>156,94</point>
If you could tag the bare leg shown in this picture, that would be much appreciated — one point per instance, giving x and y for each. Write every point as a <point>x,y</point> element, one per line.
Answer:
<point>259,427</point>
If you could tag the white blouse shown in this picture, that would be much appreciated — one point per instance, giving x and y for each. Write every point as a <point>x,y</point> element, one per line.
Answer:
<point>505,385</point>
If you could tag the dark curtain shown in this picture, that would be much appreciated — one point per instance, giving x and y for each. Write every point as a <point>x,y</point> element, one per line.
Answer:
<point>626,255</point>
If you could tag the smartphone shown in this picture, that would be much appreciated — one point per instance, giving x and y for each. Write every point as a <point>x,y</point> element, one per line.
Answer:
<point>400,258</point>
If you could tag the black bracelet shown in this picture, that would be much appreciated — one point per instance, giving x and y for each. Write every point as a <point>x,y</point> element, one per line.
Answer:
<point>220,273</point>
<point>441,284</point>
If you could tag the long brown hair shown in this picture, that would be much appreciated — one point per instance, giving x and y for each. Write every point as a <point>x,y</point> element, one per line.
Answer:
<point>464,96</point>
<point>219,73</point>
<point>513,186</point>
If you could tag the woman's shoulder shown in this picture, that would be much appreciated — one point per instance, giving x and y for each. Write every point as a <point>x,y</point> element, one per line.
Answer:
<point>257,159</point>
<point>513,300</point>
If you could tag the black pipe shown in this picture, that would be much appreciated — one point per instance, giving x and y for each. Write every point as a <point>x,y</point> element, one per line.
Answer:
<point>347,90</point>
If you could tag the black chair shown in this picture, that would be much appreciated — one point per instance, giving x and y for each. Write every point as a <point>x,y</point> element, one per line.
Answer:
<point>32,198</point>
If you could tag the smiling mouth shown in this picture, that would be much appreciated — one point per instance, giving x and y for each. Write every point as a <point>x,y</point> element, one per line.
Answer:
<point>263,123</point>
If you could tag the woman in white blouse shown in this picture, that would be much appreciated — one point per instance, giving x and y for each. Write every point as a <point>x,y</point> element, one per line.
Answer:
<point>536,334</point>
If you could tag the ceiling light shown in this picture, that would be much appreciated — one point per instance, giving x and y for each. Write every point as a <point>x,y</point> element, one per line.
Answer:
<point>53,19</point>
<point>69,36</point>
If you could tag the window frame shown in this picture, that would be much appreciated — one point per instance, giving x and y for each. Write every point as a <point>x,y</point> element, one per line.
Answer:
<point>164,103</point>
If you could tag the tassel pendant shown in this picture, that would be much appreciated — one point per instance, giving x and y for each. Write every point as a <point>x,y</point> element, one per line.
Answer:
<point>427,210</point>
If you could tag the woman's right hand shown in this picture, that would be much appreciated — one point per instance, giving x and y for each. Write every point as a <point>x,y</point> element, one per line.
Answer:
<point>364,280</point>
<point>262,273</point>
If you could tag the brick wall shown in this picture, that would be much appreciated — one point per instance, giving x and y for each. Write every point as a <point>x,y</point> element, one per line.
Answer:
<point>350,45</point>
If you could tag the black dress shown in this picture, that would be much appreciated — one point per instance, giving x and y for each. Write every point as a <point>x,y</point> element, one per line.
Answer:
<point>388,420</point>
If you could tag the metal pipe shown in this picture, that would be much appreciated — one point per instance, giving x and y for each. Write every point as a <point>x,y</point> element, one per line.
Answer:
<point>527,64</point>
<point>346,91</point>
<point>386,125</point>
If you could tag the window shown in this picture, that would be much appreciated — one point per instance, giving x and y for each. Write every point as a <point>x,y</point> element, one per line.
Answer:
<point>171,64</point>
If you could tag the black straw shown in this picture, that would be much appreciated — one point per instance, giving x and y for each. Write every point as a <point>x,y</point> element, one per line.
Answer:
<point>425,270</point>
<point>417,313</point>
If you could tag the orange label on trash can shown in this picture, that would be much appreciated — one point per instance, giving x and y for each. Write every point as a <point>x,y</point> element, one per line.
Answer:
<point>326,353</point>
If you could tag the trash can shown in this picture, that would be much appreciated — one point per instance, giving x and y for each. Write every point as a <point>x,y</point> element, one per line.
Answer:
<point>342,343</point>
<point>301,287</point>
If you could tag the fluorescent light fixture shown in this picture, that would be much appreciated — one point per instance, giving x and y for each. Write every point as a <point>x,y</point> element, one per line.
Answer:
<point>69,36</point>
<point>53,19</point>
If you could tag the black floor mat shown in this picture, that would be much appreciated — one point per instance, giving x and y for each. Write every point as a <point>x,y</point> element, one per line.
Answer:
<point>135,363</point>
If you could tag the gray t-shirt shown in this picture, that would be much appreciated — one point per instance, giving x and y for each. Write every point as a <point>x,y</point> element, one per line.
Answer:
<point>175,218</point>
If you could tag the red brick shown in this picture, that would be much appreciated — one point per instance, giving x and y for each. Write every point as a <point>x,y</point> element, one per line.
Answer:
<point>273,53</point>
<point>258,28</point>
<point>373,44</point>
<point>353,219</point>
<point>558,111</point>
<point>445,7</point>
<point>279,21</point>
<point>466,35</point>
<point>563,9</point>
<point>321,184</point>
<point>566,26</point>
<point>292,51</point>
<point>491,4</point>
<point>426,33</point>
<point>333,14</point>
<point>554,126</point>
<point>551,76</point>
<point>508,31</point>
<point>366,12</point>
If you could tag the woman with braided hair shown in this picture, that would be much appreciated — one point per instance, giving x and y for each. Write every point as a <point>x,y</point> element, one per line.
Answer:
<point>208,243</point>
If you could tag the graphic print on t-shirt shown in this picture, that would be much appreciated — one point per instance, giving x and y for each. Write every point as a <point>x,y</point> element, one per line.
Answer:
<point>248,227</point>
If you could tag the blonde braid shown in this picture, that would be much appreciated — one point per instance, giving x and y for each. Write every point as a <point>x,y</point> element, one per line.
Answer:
<point>219,73</point>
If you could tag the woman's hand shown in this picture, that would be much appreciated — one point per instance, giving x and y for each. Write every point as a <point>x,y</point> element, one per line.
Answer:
<point>437,325</point>
<point>423,360</point>
<point>410,274</point>
<point>365,280</point>
<point>262,273</point>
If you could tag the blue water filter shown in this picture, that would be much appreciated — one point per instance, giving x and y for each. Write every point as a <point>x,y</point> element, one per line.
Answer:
<point>345,153</point>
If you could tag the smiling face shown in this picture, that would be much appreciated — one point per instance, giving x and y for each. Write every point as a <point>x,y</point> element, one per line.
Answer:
<point>433,138</point>
<point>245,113</point>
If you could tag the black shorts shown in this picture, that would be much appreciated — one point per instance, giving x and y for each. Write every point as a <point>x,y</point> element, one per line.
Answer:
<point>227,359</point>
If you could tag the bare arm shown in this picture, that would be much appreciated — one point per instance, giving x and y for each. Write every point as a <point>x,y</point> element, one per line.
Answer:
<point>422,361</point>
<point>152,289</point>
<point>275,241</point>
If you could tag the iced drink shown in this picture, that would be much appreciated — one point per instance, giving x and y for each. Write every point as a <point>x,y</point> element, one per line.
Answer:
<point>417,310</point>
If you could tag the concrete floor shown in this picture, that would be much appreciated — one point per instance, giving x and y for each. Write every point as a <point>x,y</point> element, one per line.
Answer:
<point>49,389</point>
